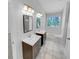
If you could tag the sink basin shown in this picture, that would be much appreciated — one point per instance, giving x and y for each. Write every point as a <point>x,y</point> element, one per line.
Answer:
<point>31,39</point>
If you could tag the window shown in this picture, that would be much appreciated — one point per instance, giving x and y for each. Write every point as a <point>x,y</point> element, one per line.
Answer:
<point>54,21</point>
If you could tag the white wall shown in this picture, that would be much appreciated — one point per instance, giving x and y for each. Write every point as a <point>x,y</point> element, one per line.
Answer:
<point>68,30</point>
<point>66,17</point>
<point>15,23</point>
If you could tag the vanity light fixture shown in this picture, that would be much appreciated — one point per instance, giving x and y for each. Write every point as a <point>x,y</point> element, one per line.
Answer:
<point>39,15</point>
<point>32,11</point>
<point>27,10</point>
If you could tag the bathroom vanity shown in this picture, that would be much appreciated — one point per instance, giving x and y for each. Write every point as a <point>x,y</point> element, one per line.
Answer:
<point>43,36</point>
<point>31,46</point>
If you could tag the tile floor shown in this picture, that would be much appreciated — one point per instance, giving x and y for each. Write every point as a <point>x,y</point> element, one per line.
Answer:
<point>54,50</point>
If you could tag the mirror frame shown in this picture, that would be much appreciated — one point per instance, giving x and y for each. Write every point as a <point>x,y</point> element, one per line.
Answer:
<point>26,25</point>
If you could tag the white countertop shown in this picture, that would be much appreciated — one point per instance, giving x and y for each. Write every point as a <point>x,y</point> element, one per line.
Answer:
<point>32,39</point>
<point>41,31</point>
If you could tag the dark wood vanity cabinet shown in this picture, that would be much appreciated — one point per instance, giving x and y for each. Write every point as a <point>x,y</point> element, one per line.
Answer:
<point>30,52</point>
<point>43,37</point>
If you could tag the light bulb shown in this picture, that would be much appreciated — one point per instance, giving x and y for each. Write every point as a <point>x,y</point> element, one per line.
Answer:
<point>29,9</point>
<point>32,11</point>
<point>25,8</point>
<point>38,15</point>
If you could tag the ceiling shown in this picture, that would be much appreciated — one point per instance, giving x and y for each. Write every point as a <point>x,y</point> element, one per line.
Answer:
<point>51,6</point>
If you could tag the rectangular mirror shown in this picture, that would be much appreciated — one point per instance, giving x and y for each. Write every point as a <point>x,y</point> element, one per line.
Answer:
<point>27,23</point>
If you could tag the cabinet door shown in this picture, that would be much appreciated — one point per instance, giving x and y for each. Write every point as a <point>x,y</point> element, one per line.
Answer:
<point>44,37</point>
<point>36,48</point>
<point>27,51</point>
